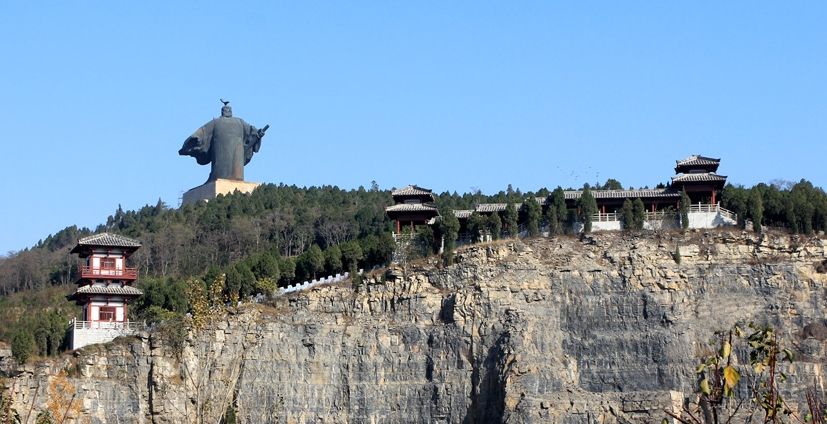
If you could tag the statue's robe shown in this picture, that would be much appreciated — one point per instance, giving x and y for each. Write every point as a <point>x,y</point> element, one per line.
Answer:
<point>227,143</point>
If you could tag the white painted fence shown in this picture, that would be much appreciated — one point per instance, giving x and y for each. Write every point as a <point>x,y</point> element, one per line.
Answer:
<point>701,215</point>
<point>312,283</point>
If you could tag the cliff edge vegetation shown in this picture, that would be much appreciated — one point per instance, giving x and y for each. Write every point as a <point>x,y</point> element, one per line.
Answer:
<point>600,328</point>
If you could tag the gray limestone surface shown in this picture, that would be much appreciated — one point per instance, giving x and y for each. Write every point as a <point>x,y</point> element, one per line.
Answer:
<point>605,328</point>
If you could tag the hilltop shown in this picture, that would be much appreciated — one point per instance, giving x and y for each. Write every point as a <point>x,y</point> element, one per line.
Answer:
<point>281,235</point>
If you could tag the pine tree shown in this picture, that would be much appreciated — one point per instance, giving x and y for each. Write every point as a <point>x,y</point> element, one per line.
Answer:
<point>511,220</point>
<point>22,345</point>
<point>266,266</point>
<point>557,213</point>
<point>558,200</point>
<point>553,222</point>
<point>351,255</point>
<point>628,215</point>
<point>247,280</point>
<point>638,213</point>
<point>315,260</point>
<point>332,260</point>
<point>287,270</point>
<point>495,226</point>
<point>532,213</point>
<point>233,284</point>
<point>449,227</point>
<point>588,207</point>
<point>425,241</point>
<point>612,184</point>
<point>684,209</point>
<point>476,225</point>
<point>756,209</point>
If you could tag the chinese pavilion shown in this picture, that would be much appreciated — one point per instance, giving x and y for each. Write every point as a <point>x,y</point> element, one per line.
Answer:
<point>696,174</point>
<point>104,288</point>
<point>413,206</point>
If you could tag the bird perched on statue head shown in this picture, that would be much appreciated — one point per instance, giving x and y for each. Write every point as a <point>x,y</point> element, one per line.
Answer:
<point>226,110</point>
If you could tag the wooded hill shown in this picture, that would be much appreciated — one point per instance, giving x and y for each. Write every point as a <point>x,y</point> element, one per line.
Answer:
<point>282,220</point>
<point>285,221</point>
<point>285,234</point>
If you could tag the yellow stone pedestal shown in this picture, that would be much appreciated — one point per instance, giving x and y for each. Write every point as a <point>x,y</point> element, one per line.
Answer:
<point>212,189</point>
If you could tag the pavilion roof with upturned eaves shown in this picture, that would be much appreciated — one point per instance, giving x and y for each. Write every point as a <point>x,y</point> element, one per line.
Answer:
<point>110,290</point>
<point>413,192</point>
<point>84,292</point>
<point>699,177</point>
<point>85,244</point>
<point>697,163</point>
<point>411,207</point>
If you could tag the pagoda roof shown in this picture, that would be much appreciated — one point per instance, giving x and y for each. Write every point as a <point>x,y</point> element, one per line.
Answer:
<point>493,207</point>
<point>698,177</point>
<point>108,290</point>
<point>106,240</point>
<point>412,190</point>
<point>696,160</point>
<point>623,194</point>
<point>463,213</point>
<point>697,164</point>
<point>411,207</point>
<point>483,208</point>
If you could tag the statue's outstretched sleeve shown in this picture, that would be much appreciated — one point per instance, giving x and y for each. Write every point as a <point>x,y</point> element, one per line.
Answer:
<point>252,141</point>
<point>198,144</point>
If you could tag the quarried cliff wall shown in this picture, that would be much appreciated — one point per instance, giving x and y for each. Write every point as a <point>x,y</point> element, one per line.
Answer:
<point>606,328</point>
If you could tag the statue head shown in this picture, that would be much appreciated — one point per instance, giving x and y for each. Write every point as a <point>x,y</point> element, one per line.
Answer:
<point>226,110</point>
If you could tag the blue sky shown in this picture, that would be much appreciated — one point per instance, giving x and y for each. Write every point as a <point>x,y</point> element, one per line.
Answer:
<point>98,98</point>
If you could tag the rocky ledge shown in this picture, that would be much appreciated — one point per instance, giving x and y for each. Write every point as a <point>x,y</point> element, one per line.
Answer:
<point>604,328</point>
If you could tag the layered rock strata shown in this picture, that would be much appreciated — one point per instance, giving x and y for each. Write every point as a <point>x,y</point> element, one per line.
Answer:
<point>605,328</point>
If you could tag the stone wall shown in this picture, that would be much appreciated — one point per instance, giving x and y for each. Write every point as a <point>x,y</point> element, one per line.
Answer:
<point>605,328</point>
<point>606,226</point>
<point>96,332</point>
<point>211,189</point>
<point>707,220</point>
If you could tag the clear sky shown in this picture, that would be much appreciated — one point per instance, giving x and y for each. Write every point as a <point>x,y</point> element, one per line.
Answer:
<point>97,97</point>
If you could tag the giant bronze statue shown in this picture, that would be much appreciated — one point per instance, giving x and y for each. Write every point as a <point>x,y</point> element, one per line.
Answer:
<point>227,143</point>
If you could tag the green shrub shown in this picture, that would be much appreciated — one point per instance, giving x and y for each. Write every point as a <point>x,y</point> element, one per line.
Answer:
<point>22,345</point>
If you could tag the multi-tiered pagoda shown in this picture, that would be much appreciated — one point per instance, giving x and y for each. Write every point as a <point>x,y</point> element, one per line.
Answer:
<point>413,206</point>
<point>104,288</point>
<point>697,176</point>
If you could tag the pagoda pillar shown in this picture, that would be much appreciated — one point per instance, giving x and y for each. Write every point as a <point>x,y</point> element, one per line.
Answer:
<point>713,197</point>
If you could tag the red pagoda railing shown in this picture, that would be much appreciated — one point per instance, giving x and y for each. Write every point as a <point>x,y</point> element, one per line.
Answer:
<point>98,272</point>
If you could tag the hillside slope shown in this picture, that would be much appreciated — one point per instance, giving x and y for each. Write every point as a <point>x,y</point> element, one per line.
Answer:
<point>607,328</point>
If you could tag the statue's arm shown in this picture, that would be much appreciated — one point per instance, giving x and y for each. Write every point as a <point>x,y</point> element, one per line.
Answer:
<point>194,146</point>
<point>252,140</point>
<point>198,145</point>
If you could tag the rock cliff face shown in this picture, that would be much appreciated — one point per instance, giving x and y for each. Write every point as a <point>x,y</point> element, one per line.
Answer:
<point>603,329</point>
